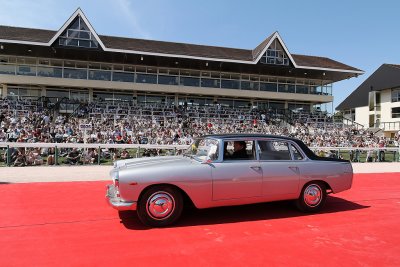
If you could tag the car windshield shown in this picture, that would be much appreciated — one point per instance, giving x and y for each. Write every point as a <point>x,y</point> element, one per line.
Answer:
<point>203,149</point>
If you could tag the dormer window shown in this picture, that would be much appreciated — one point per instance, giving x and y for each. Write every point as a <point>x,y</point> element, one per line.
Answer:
<point>78,34</point>
<point>275,55</point>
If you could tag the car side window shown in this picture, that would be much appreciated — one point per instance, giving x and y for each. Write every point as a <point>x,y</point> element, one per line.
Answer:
<point>239,150</point>
<point>274,150</point>
<point>296,154</point>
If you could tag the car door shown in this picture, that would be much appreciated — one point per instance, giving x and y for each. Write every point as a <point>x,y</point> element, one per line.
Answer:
<point>280,171</point>
<point>235,178</point>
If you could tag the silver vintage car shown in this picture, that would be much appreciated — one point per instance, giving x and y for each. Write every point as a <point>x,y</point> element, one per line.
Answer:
<point>225,170</point>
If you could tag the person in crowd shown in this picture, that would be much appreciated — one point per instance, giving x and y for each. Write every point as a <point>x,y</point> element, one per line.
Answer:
<point>172,126</point>
<point>125,154</point>
<point>51,156</point>
<point>20,160</point>
<point>73,157</point>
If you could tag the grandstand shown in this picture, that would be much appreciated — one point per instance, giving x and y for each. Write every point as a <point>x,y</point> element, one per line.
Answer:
<point>75,65</point>
<point>75,86</point>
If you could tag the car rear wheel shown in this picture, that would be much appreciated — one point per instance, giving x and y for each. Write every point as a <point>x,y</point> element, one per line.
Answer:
<point>160,206</point>
<point>312,197</point>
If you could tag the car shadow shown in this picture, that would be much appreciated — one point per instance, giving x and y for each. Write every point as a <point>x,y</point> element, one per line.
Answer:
<point>233,214</point>
<point>4,183</point>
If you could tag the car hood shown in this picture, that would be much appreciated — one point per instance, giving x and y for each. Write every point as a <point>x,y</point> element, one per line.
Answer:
<point>148,162</point>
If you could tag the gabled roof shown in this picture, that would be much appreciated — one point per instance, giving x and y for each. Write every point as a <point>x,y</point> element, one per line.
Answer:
<point>77,13</point>
<point>387,76</point>
<point>310,61</point>
<point>170,49</point>
<point>266,45</point>
<point>18,35</point>
<point>259,49</point>
<point>142,46</point>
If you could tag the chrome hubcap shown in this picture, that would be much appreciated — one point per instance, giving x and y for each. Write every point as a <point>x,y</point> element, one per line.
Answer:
<point>160,205</point>
<point>312,195</point>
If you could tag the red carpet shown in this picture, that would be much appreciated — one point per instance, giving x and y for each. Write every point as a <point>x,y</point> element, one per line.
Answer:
<point>69,224</point>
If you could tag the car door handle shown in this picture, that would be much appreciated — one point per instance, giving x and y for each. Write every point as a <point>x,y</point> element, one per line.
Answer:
<point>256,168</point>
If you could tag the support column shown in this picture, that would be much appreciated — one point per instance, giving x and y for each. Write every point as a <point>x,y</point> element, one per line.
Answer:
<point>90,95</point>
<point>135,96</point>
<point>43,91</point>
<point>176,100</point>
<point>4,91</point>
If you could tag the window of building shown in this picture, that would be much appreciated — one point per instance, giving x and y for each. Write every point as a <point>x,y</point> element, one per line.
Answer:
<point>100,75</point>
<point>168,80</point>
<point>49,72</point>
<point>123,77</point>
<point>396,112</point>
<point>395,95</point>
<point>26,70</point>
<point>78,34</point>
<point>214,83</point>
<point>270,87</point>
<point>23,92</point>
<point>75,73</point>
<point>146,78</point>
<point>299,107</point>
<point>56,95</point>
<point>7,69</point>
<point>276,105</point>
<point>275,54</point>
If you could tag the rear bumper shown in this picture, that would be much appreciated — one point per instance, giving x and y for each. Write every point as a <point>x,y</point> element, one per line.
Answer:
<point>116,202</point>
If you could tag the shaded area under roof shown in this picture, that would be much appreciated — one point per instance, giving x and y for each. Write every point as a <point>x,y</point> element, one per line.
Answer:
<point>161,47</point>
<point>257,51</point>
<point>386,76</point>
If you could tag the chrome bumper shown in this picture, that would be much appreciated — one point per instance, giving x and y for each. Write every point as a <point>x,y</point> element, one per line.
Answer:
<point>116,202</point>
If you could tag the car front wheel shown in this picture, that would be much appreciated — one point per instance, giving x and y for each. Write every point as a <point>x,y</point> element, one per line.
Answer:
<point>312,197</point>
<point>160,206</point>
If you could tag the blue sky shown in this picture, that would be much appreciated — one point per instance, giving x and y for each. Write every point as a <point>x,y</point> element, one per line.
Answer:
<point>363,34</point>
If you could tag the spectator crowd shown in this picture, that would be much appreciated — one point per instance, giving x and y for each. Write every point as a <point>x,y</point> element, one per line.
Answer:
<point>28,122</point>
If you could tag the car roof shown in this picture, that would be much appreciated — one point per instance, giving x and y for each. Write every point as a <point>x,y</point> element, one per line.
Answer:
<point>224,136</point>
<point>300,143</point>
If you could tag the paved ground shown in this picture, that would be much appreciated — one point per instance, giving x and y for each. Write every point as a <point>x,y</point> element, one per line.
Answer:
<point>69,224</point>
<point>99,173</point>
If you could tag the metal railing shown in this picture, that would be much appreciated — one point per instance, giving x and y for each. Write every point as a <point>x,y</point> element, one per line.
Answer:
<point>387,126</point>
<point>60,148</point>
<point>354,154</point>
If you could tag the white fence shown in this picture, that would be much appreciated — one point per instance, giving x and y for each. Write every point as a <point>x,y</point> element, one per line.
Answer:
<point>355,153</point>
<point>80,145</point>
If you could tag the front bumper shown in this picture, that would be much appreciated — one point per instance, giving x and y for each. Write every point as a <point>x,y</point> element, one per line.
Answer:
<point>116,202</point>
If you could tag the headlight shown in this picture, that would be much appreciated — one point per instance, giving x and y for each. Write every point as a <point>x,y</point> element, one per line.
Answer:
<point>115,178</point>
